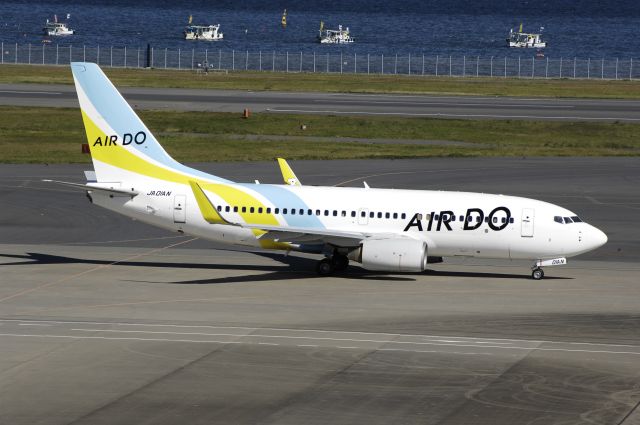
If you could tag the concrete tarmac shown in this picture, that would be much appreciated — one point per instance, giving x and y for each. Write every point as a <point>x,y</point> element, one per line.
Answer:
<point>105,320</point>
<point>440,106</point>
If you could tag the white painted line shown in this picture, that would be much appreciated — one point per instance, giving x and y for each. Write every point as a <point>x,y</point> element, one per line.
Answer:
<point>34,324</point>
<point>348,348</point>
<point>415,114</point>
<point>266,343</point>
<point>397,102</point>
<point>322,331</point>
<point>461,344</point>
<point>30,92</point>
<point>306,345</point>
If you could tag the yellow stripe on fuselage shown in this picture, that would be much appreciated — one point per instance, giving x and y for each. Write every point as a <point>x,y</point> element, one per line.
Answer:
<point>120,157</point>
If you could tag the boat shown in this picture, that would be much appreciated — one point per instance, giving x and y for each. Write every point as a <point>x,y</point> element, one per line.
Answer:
<point>284,19</point>
<point>338,36</point>
<point>57,28</point>
<point>203,32</point>
<point>526,40</point>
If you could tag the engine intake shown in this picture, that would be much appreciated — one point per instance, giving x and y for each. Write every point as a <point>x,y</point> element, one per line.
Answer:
<point>397,255</point>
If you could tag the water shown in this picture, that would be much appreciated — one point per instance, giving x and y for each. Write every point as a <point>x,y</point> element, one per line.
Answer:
<point>577,28</point>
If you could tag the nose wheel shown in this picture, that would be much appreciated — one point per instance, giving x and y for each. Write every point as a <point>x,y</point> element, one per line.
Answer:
<point>537,273</point>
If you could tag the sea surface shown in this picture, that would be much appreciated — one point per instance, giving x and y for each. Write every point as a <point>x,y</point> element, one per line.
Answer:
<point>573,28</point>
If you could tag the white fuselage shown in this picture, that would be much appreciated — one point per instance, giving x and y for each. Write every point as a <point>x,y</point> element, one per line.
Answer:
<point>451,223</point>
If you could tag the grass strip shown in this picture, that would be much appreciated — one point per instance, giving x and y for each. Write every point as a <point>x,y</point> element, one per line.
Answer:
<point>342,83</point>
<point>54,135</point>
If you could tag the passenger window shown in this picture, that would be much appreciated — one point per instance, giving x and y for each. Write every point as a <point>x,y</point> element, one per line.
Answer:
<point>219,208</point>
<point>461,218</point>
<point>293,211</point>
<point>235,209</point>
<point>344,213</point>
<point>453,218</point>
<point>301,211</point>
<point>379,215</point>
<point>511,220</point>
<point>276,211</point>
<point>353,213</point>
<point>495,219</point>
<point>372,214</point>
<point>309,212</point>
<point>260,210</point>
<point>251,210</point>
<point>504,220</point>
<point>363,214</point>
<point>284,211</point>
<point>478,219</point>
<point>244,209</point>
<point>395,216</point>
<point>317,212</point>
<point>226,209</point>
<point>268,210</point>
<point>326,213</point>
<point>335,213</point>
<point>418,216</point>
<point>436,217</point>
<point>403,216</point>
<point>387,215</point>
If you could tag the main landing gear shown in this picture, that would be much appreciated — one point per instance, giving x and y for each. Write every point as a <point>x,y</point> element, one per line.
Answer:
<point>332,264</point>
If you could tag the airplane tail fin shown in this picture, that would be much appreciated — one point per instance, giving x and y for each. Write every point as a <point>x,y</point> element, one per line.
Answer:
<point>121,145</point>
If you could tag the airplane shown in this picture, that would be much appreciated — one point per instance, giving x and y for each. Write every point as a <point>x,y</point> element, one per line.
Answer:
<point>388,230</point>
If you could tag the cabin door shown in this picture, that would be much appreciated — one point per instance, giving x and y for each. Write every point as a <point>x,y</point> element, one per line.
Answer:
<point>179,209</point>
<point>528,215</point>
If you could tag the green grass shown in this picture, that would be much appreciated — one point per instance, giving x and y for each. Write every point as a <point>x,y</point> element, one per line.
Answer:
<point>343,83</point>
<point>54,135</point>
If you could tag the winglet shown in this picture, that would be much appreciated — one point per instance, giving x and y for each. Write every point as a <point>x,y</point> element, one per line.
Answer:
<point>207,209</point>
<point>287,173</point>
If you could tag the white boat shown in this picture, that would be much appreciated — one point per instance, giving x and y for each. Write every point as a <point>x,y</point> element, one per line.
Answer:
<point>338,36</point>
<point>57,28</point>
<point>526,40</point>
<point>203,32</point>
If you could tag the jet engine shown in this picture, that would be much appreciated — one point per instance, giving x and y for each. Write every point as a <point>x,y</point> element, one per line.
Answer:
<point>397,255</point>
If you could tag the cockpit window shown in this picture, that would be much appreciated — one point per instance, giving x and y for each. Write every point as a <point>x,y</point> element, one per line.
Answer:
<point>567,220</point>
<point>558,219</point>
<point>576,219</point>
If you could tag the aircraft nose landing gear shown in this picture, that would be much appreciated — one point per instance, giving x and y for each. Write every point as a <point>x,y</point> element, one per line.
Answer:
<point>537,273</point>
<point>536,270</point>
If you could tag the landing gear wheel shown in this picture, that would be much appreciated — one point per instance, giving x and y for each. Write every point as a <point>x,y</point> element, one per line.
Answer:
<point>340,262</point>
<point>325,267</point>
<point>537,274</point>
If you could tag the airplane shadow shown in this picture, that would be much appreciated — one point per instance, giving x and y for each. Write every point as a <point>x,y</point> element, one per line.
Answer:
<point>291,268</point>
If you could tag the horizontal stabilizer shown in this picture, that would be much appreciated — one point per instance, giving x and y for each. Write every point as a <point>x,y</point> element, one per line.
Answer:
<point>90,187</point>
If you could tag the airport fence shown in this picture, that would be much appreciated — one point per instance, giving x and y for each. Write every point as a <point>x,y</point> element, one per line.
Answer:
<point>526,66</point>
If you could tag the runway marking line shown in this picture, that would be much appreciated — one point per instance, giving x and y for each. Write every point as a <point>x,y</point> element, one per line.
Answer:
<point>492,340</point>
<point>438,114</point>
<point>532,349</point>
<point>101,266</point>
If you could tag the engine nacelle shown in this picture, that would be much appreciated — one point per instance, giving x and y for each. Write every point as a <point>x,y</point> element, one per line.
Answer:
<point>397,255</point>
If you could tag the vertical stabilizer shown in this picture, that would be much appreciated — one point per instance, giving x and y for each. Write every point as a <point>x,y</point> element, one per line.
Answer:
<point>119,141</point>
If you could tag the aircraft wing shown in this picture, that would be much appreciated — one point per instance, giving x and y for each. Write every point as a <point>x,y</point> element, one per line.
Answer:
<point>80,186</point>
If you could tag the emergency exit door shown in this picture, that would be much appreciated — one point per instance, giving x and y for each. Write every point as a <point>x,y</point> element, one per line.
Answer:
<point>528,215</point>
<point>179,209</point>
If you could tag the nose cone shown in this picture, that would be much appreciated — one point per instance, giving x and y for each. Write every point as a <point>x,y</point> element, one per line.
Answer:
<point>597,238</point>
